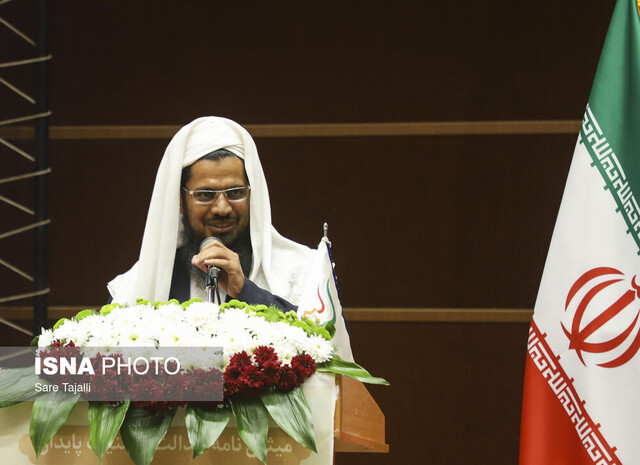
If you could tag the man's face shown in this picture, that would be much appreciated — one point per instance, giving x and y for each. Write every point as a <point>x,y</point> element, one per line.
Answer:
<point>222,219</point>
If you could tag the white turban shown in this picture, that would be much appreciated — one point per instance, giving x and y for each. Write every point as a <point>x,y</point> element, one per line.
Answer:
<point>279,265</point>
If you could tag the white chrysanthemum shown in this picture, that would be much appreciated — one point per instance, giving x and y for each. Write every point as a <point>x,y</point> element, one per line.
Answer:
<point>196,339</point>
<point>199,357</point>
<point>169,312</point>
<point>46,338</point>
<point>201,311</point>
<point>294,334</point>
<point>286,350</point>
<point>236,340</point>
<point>319,348</point>
<point>135,335</point>
<point>103,336</point>
<point>234,317</point>
<point>271,334</point>
<point>232,343</point>
<point>70,332</point>
<point>180,335</point>
<point>89,322</point>
<point>65,331</point>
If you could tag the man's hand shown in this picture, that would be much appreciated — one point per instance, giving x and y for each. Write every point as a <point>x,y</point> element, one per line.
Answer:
<point>231,278</point>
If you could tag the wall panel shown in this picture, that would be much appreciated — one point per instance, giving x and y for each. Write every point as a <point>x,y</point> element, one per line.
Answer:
<point>160,62</point>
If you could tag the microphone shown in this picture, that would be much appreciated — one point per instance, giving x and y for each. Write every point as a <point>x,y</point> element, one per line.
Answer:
<point>211,282</point>
<point>212,270</point>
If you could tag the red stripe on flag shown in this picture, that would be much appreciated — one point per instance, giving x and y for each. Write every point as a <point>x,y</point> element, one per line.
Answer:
<point>556,429</point>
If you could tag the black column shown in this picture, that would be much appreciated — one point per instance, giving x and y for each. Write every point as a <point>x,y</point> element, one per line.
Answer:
<point>42,163</point>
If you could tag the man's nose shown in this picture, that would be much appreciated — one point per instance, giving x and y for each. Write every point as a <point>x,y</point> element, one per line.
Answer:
<point>221,205</point>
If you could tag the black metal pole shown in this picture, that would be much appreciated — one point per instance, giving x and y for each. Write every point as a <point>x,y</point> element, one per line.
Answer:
<point>42,163</point>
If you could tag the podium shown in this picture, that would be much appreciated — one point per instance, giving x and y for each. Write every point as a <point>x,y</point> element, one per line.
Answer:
<point>359,423</point>
<point>346,418</point>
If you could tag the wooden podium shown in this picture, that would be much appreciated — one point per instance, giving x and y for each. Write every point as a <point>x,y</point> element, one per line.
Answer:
<point>359,422</point>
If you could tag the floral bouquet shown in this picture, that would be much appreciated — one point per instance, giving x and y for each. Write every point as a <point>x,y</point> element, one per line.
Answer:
<point>266,356</point>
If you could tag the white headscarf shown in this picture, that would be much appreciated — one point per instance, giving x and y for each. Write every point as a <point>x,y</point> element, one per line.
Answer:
<point>279,265</point>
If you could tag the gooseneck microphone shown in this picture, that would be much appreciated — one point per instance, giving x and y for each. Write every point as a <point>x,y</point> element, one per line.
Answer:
<point>211,281</point>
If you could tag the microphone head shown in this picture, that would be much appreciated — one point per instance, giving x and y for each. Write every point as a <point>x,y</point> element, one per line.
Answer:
<point>208,241</point>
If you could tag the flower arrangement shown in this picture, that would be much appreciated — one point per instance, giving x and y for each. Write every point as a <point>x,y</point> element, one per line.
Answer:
<point>267,355</point>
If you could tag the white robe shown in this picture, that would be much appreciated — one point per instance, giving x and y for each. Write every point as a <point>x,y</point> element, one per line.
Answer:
<point>279,264</point>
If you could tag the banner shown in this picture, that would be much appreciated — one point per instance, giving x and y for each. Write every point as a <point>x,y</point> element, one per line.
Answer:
<point>582,378</point>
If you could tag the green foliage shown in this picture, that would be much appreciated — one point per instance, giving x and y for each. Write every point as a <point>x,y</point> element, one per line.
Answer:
<point>291,412</point>
<point>17,384</point>
<point>106,309</point>
<point>104,422</point>
<point>252,421</point>
<point>84,313</point>
<point>273,314</point>
<point>142,432</point>
<point>60,322</point>
<point>189,302</point>
<point>47,416</point>
<point>331,329</point>
<point>204,426</point>
<point>351,369</point>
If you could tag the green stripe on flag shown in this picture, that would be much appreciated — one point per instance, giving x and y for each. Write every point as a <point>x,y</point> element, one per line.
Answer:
<point>616,182</point>
<point>333,307</point>
<point>611,126</point>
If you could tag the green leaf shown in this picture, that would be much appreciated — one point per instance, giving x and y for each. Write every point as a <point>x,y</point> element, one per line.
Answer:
<point>142,432</point>
<point>341,366</point>
<point>291,412</point>
<point>331,328</point>
<point>204,426</point>
<point>252,420</point>
<point>18,384</point>
<point>83,314</point>
<point>60,322</point>
<point>104,422</point>
<point>47,416</point>
<point>8,403</point>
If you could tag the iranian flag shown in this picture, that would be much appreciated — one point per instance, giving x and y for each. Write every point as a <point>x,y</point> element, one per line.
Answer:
<point>582,381</point>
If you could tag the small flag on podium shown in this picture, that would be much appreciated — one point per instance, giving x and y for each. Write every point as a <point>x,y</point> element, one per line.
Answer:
<point>320,300</point>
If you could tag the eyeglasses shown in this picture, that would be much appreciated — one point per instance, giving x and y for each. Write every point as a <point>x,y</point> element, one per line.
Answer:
<point>208,196</point>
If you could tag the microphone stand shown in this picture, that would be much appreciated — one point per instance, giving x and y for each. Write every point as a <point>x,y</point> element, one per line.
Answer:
<point>211,284</point>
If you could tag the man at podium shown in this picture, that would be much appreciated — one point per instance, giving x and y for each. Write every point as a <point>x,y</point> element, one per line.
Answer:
<point>210,183</point>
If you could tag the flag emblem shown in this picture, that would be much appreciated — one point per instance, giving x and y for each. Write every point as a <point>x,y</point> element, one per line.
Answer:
<point>599,301</point>
<point>319,313</point>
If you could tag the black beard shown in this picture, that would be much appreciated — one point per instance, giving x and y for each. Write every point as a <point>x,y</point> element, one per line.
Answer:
<point>241,245</point>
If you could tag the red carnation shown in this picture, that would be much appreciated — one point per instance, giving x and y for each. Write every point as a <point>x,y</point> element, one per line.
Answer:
<point>240,359</point>
<point>271,372</point>
<point>232,387</point>
<point>288,379</point>
<point>232,372</point>
<point>252,377</point>
<point>304,366</point>
<point>264,354</point>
